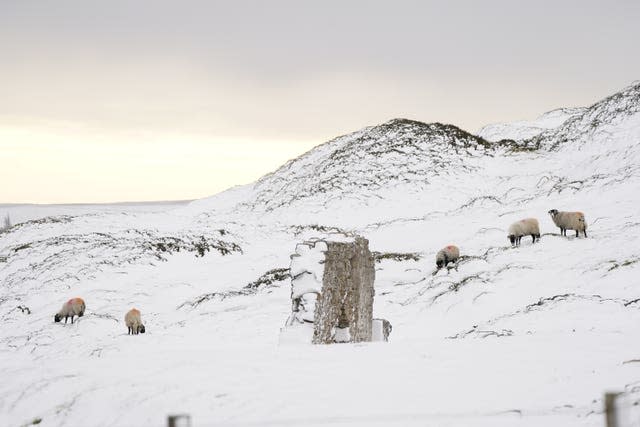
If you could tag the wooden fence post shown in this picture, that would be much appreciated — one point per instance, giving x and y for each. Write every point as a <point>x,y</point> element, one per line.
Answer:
<point>610,413</point>
<point>181,420</point>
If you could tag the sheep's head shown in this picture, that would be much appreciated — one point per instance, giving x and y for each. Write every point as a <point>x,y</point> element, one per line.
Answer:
<point>141,329</point>
<point>553,212</point>
<point>440,263</point>
<point>57,318</point>
<point>512,239</point>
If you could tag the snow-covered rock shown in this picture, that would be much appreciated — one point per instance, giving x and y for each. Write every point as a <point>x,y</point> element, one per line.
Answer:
<point>332,284</point>
<point>306,271</point>
<point>307,268</point>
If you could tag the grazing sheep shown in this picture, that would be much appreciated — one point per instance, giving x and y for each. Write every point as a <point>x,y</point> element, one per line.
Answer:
<point>569,221</point>
<point>446,255</point>
<point>71,308</point>
<point>524,227</point>
<point>134,322</point>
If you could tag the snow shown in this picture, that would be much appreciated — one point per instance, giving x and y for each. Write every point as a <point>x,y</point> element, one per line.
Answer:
<point>527,336</point>
<point>307,268</point>
<point>377,330</point>
<point>27,212</point>
<point>307,273</point>
<point>527,129</point>
<point>341,335</point>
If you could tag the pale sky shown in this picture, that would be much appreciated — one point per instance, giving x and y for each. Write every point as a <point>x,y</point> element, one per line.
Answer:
<point>105,101</point>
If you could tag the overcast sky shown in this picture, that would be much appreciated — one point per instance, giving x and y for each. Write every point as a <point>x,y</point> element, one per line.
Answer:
<point>156,100</point>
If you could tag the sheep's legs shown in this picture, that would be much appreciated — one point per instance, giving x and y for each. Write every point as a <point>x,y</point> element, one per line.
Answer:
<point>65,319</point>
<point>72,319</point>
<point>585,233</point>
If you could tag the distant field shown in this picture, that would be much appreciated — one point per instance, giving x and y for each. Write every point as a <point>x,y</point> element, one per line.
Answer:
<point>26,212</point>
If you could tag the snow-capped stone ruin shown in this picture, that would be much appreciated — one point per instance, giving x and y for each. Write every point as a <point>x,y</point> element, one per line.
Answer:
<point>332,293</point>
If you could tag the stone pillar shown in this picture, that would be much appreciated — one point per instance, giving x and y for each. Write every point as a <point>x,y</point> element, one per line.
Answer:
<point>332,293</point>
<point>346,299</point>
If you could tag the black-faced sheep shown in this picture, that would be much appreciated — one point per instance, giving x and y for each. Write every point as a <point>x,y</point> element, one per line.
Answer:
<point>134,322</point>
<point>569,221</point>
<point>446,255</point>
<point>524,227</point>
<point>71,308</point>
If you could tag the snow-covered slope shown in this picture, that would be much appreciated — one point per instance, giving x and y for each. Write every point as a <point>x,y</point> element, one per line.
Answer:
<point>525,129</point>
<point>602,121</point>
<point>20,212</point>
<point>525,336</point>
<point>364,163</point>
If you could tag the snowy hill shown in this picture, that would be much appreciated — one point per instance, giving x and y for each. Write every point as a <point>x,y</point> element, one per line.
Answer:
<point>362,164</point>
<point>602,121</point>
<point>522,130</point>
<point>526,336</point>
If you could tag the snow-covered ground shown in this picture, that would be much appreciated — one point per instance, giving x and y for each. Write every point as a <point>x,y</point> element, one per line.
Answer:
<point>523,336</point>
<point>529,128</point>
<point>21,212</point>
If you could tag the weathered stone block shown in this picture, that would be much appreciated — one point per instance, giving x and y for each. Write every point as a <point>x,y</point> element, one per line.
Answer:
<point>332,289</point>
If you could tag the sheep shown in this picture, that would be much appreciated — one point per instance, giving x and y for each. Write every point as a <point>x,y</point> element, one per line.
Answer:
<point>71,308</point>
<point>569,221</point>
<point>134,323</point>
<point>446,255</point>
<point>524,227</point>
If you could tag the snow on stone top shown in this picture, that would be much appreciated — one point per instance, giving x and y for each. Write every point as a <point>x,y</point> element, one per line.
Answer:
<point>307,268</point>
<point>307,262</point>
